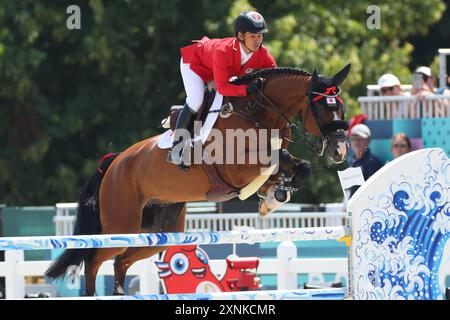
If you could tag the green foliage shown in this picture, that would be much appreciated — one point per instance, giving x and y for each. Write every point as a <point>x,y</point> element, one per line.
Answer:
<point>67,97</point>
<point>327,35</point>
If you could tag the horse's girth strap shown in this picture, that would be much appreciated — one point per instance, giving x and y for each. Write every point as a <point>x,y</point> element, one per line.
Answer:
<point>219,190</point>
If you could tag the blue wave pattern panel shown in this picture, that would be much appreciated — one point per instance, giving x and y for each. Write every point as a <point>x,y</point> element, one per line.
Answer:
<point>405,233</point>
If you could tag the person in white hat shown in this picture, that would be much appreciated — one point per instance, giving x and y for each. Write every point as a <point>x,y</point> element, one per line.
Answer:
<point>424,83</point>
<point>360,136</point>
<point>389,85</point>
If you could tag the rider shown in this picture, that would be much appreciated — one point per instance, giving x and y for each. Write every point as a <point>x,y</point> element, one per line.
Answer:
<point>220,60</point>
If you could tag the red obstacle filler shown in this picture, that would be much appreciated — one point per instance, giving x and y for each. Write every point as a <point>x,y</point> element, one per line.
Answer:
<point>247,279</point>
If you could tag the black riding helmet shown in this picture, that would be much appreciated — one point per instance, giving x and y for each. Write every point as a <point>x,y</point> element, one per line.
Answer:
<point>250,22</point>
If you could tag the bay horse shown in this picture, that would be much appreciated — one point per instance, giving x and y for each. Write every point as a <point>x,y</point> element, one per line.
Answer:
<point>137,190</point>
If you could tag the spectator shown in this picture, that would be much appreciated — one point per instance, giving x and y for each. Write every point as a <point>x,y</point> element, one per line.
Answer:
<point>400,145</point>
<point>362,157</point>
<point>359,118</point>
<point>389,85</point>
<point>424,83</point>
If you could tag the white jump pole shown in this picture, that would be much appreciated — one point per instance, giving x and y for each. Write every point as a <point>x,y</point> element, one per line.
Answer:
<point>171,239</point>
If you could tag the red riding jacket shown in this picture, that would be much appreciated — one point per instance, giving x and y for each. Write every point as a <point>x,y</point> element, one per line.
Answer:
<point>220,59</point>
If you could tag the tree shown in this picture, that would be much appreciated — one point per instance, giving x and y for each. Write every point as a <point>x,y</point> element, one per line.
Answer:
<point>67,97</point>
<point>427,44</point>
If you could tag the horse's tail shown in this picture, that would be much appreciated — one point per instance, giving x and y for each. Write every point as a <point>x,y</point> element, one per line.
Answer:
<point>87,221</point>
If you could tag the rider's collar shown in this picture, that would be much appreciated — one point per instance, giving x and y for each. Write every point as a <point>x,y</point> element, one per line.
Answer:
<point>244,55</point>
<point>242,42</point>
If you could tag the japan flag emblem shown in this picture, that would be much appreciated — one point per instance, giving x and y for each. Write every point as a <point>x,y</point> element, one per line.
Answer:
<point>256,16</point>
<point>331,101</point>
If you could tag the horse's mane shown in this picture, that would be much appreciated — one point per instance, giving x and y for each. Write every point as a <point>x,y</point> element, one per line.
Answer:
<point>269,72</point>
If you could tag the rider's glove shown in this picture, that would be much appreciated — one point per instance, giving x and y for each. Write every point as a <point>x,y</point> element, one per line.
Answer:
<point>256,85</point>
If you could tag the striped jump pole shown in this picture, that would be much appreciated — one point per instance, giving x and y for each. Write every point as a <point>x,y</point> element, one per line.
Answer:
<point>171,239</point>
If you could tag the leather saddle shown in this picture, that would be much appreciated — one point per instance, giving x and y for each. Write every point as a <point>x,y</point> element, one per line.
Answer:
<point>171,120</point>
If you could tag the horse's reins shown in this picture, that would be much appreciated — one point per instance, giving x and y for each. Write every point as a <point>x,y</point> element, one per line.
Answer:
<point>324,130</point>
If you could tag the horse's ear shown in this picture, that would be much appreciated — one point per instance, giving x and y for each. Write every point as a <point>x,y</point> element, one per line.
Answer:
<point>315,82</point>
<point>341,75</point>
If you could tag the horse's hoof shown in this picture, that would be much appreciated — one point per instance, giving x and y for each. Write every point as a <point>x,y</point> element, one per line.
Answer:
<point>117,293</point>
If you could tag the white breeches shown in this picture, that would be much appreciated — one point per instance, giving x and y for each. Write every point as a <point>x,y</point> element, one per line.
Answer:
<point>193,85</point>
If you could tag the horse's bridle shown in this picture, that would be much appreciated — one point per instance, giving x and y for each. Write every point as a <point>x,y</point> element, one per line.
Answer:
<point>333,129</point>
<point>326,130</point>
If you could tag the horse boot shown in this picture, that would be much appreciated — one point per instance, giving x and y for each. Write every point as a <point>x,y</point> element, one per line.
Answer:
<point>281,195</point>
<point>184,121</point>
<point>302,173</point>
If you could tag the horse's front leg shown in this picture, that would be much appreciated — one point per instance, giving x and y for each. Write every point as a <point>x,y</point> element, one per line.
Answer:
<point>293,173</point>
<point>302,173</point>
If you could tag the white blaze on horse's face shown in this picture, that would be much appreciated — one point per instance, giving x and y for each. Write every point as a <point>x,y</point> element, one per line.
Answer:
<point>337,147</point>
<point>336,116</point>
<point>342,149</point>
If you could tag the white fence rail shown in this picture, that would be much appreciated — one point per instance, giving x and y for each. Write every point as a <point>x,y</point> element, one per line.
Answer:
<point>15,269</point>
<point>197,220</point>
<point>405,107</point>
<point>227,222</point>
<point>286,266</point>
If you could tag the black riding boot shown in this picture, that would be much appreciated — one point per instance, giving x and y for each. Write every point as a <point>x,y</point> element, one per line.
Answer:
<point>184,121</point>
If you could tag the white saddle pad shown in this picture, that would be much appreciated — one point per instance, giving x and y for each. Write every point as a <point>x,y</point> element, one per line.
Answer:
<point>166,139</point>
